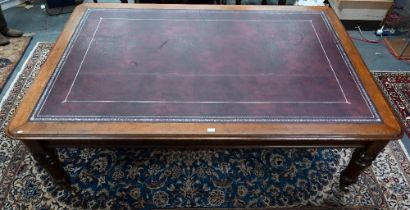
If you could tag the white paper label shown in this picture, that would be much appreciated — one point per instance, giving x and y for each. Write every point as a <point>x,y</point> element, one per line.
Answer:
<point>211,130</point>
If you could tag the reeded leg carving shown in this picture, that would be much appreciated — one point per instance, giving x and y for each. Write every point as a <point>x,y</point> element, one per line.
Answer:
<point>361,159</point>
<point>48,159</point>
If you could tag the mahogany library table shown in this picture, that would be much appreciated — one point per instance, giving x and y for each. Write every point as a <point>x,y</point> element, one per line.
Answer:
<point>204,76</point>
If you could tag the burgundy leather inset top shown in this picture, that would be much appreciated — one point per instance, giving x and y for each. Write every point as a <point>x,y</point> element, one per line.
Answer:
<point>204,65</point>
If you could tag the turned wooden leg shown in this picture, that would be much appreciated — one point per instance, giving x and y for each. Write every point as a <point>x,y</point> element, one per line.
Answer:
<point>48,159</point>
<point>361,159</point>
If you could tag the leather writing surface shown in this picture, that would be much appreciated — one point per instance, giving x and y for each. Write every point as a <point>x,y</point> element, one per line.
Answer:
<point>204,65</point>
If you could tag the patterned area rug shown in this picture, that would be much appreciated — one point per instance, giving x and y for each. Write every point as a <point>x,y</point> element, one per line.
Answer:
<point>213,179</point>
<point>396,86</point>
<point>10,56</point>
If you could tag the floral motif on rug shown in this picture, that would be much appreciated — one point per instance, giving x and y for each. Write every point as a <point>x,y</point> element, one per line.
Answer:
<point>180,178</point>
<point>10,56</point>
<point>396,86</point>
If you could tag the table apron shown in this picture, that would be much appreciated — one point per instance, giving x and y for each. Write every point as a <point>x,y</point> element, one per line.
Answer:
<point>198,144</point>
